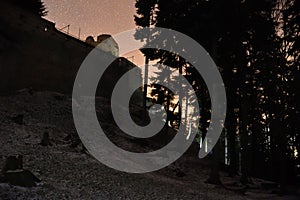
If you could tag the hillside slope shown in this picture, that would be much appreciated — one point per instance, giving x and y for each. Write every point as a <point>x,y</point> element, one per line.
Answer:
<point>70,173</point>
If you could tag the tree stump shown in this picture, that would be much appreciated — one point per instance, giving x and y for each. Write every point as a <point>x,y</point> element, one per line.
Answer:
<point>46,140</point>
<point>14,174</point>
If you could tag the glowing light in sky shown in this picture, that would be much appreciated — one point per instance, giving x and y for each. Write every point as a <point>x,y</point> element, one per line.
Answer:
<point>93,17</point>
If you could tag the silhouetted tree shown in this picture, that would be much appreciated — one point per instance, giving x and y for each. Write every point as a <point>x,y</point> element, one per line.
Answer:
<point>145,18</point>
<point>35,6</point>
<point>255,44</point>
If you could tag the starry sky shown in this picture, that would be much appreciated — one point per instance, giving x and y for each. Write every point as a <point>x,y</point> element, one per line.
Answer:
<point>93,17</point>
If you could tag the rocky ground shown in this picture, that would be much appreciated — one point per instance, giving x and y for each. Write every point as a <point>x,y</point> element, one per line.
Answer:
<point>69,172</point>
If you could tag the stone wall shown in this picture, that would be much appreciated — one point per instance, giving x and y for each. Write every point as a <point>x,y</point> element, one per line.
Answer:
<point>33,53</point>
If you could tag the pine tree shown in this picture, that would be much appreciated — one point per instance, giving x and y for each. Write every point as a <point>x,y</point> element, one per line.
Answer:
<point>255,44</point>
<point>145,18</point>
<point>35,6</point>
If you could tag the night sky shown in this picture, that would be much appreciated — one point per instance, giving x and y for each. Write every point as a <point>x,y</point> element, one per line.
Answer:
<point>93,17</point>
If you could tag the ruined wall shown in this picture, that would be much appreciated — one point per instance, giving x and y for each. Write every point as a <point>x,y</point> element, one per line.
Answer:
<point>108,43</point>
<point>34,54</point>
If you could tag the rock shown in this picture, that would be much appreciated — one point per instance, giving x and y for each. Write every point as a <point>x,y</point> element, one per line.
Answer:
<point>46,140</point>
<point>13,173</point>
<point>19,119</point>
<point>13,163</point>
<point>23,178</point>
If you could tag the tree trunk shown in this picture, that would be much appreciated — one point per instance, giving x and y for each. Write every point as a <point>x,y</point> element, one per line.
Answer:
<point>146,81</point>
<point>244,142</point>
<point>231,132</point>
<point>214,176</point>
<point>279,153</point>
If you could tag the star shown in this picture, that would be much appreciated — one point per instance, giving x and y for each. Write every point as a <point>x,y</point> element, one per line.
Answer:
<point>92,17</point>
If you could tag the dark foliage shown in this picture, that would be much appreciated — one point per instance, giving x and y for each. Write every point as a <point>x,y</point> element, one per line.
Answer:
<point>34,6</point>
<point>255,44</point>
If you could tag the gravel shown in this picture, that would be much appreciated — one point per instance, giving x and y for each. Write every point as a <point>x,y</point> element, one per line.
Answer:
<point>72,173</point>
